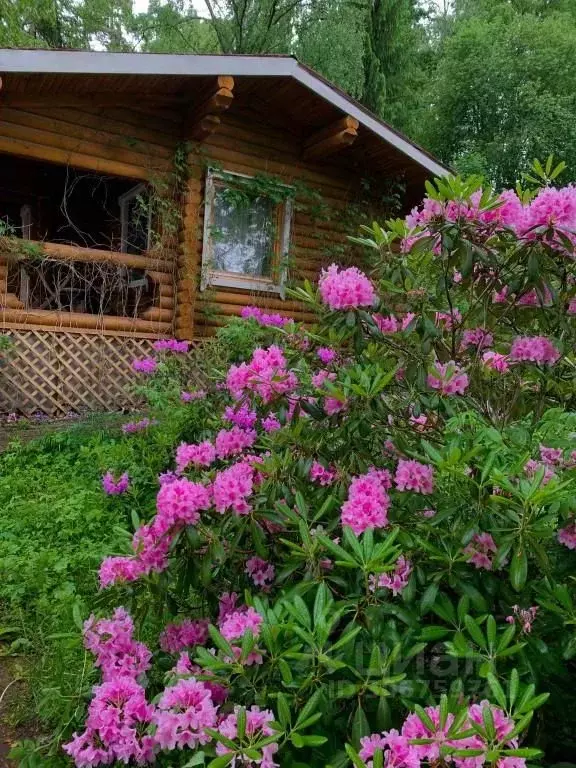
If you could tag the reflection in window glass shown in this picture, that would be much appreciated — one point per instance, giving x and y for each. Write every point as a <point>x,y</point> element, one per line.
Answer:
<point>243,236</point>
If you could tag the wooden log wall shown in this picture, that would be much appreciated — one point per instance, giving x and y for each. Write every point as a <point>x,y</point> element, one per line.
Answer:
<point>244,145</point>
<point>137,144</point>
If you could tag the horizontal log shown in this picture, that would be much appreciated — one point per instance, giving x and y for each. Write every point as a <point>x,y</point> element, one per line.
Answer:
<point>97,135</point>
<point>163,278</point>
<point>78,160</point>
<point>166,302</point>
<point>62,252</point>
<point>232,310</point>
<point>157,314</point>
<point>124,123</point>
<point>11,301</point>
<point>70,144</point>
<point>8,326</point>
<point>264,302</point>
<point>25,318</point>
<point>164,289</point>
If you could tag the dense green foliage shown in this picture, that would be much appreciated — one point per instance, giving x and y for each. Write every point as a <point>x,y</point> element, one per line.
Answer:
<point>486,84</point>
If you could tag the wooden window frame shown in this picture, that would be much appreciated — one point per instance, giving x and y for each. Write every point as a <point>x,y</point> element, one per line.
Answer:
<point>124,203</point>
<point>211,277</point>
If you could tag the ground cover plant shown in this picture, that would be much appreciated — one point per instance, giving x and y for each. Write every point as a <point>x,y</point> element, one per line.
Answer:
<point>363,552</point>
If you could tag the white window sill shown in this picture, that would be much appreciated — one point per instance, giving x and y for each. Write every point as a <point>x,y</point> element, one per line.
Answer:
<point>246,284</point>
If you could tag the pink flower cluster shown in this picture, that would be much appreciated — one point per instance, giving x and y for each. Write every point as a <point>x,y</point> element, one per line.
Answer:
<point>115,487</point>
<point>112,643</point>
<point>183,713</point>
<point>532,467</point>
<point>236,623</point>
<point>346,288</point>
<point>478,338</point>
<point>264,319</point>
<point>448,379</point>
<point>400,751</point>
<point>448,320</point>
<point>189,397</point>
<point>495,361</point>
<point>200,454</point>
<point>534,349</point>
<point>271,423</point>
<point>178,504</point>
<point>260,571</point>
<point>525,616</point>
<point>186,634</point>
<point>171,345</point>
<point>265,375</point>
<point>118,717</point>
<point>230,442</point>
<point>242,416</point>
<point>367,505</point>
<point>481,550</point>
<point>184,667</point>
<point>145,365</point>
<point>138,426</point>
<point>326,355</point>
<point>413,476</point>
<point>321,475</point>
<point>257,728</point>
<point>232,487</point>
<point>567,536</point>
<point>395,581</point>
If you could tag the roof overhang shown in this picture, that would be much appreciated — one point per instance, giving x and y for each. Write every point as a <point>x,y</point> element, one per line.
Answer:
<point>33,61</point>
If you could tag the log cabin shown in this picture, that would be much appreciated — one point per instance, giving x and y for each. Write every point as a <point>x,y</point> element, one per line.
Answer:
<point>145,196</point>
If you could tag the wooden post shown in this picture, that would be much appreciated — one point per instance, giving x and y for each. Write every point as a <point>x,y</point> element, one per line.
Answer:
<point>331,139</point>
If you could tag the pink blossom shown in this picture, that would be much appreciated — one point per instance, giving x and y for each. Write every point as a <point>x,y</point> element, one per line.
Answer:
<point>260,571</point>
<point>449,319</point>
<point>257,727</point>
<point>333,405</point>
<point>112,642</point>
<point>232,487</point>
<point>398,752</point>
<point>184,667</point>
<point>551,456</point>
<point>552,208</point>
<point>199,454</point>
<point>319,474</point>
<point>572,306</point>
<point>177,637</point>
<point>118,717</point>
<point>171,345</point>
<point>415,728</point>
<point>477,338</point>
<point>386,324</point>
<point>345,289</point>
<point>532,467</point>
<point>533,299</point>
<point>265,375</point>
<point>114,570</point>
<point>230,442</point>
<point>188,397</point>
<point>226,605</point>
<point>264,319</point>
<point>567,536</point>
<point>448,379</point>
<point>236,624</point>
<point>115,487</point>
<point>145,365</point>
<point>179,503</point>
<point>367,505</point>
<point>321,376</point>
<point>413,476</point>
<point>406,320</point>
<point>428,513</point>
<point>326,355</point>
<point>137,426</point>
<point>495,361</point>
<point>271,423</point>
<point>184,711</point>
<point>535,349</point>
<point>242,416</point>
<point>167,477</point>
<point>395,581</point>
<point>480,550</point>
<point>525,616</point>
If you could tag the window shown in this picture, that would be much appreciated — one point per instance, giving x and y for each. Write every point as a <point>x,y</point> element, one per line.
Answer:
<point>135,220</point>
<point>246,237</point>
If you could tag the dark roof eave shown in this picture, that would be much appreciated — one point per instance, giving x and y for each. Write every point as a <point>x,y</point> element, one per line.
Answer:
<point>170,64</point>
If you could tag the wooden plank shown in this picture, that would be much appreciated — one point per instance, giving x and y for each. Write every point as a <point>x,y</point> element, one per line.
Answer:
<point>9,326</point>
<point>25,318</point>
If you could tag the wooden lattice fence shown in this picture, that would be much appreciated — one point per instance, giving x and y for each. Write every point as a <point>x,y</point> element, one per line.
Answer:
<point>55,372</point>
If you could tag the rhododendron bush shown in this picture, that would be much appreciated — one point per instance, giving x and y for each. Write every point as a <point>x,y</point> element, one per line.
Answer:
<point>364,556</point>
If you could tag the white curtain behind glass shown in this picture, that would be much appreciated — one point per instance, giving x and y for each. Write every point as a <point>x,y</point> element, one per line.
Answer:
<point>242,236</point>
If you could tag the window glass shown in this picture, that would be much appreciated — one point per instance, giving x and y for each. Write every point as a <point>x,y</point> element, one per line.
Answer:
<point>243,235</point>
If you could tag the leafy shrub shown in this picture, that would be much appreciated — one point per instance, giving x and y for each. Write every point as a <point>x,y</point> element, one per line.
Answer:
<point>375,516</point>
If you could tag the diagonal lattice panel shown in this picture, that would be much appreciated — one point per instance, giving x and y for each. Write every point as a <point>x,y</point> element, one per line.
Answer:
<point>55,372</point>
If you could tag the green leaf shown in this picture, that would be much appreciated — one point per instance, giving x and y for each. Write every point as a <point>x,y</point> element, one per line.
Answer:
<point>314,741</point>
<point>283,710</point>
<point>428,598</point>
<point>220,642</point>
<point>519,569</point>
<point>497,690</point>
<point>474,631</point>
<point>221,762</point>
<point>360,726</point>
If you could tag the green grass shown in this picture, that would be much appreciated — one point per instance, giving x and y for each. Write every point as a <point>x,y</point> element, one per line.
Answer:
<point>56,525</point>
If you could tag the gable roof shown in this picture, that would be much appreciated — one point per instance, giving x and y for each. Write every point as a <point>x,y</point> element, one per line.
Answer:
<point>402,154</point>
